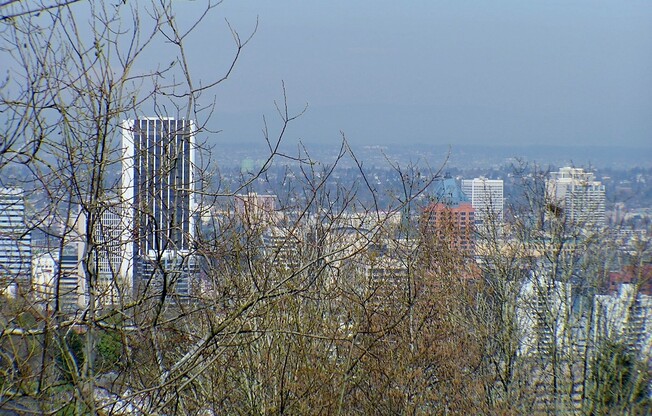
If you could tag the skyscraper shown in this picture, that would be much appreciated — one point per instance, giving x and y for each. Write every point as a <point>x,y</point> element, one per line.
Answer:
<point>577,197</point>
<point>158,190</point>
<point>486,196</point>
<point>15,242</point>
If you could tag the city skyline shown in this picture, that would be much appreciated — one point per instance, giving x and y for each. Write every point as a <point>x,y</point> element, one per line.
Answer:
<point>169,250</point>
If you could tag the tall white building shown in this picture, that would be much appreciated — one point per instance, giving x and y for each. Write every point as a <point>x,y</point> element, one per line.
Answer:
<point>580,199</point>
<point>486,196</point>
<point>282,245</point>
<point>158,193</point>
<point>15,243</point>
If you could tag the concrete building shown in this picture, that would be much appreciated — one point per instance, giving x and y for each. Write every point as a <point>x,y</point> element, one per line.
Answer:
<point>577,197</point>
<point>15,243</point>
<point>158,194</point>
<point>256,209</point>
<point>385,277</point>
<point>44,274</point>
<point>544,315</point>
<point>282,246</point>
<point>70,279</point>
<point>450,218</point>
<point>105,258</point>
<point>486,196</point>
<point>56,280</point>
<point>626,316</point>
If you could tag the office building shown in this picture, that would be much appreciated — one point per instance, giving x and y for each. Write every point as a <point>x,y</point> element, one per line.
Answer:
<point>577,198</point>
<point>70,279</point>
<point>56,281</point>
<point>626,315</point>
<point>450,218</point>
<point>158,191</point>
<point>486,197</point>
<point>15,243</point>
<point>109,269</point>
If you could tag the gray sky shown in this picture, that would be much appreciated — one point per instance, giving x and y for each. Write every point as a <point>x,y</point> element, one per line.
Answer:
<point>437,72</point>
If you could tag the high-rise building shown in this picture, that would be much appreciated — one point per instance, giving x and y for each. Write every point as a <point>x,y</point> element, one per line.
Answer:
<point>158,191</point>
<point>70,287</point>
<point>450,218</point>
<point>577,197</point>
<point>56,280</point>
<point>15,243</point>
<point>486,196</point>
<point>452,225</point>
<point>109,268</point>
<point>385,278</point>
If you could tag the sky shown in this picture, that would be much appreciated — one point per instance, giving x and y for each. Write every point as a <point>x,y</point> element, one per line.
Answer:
<point>569,72</point>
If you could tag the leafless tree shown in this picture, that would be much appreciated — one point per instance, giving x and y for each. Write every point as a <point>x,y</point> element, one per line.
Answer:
<point>323,303</point>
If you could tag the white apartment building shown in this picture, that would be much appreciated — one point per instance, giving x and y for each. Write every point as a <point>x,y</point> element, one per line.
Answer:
<point>625,315</point>
<point>580,198</point>
<point>44,273</point>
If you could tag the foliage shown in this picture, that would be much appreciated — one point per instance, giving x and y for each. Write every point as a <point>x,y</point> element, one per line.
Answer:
<point>70,356</point>
<point>622,382</point>
<point>109,352</point>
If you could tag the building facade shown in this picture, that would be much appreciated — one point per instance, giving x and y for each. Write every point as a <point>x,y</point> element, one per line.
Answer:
<point>450,218</point>
<point>253,208</point>
<point>577,197</point>
<point>109,270</point>
<point>451,225</point>
<point>70,272</point>
<point>158,195</point>
<point>15,243</point>
<point>486,197</point>
<point>44,275</point>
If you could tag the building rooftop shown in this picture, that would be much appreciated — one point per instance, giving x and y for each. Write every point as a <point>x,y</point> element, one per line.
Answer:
<point>447,191</point>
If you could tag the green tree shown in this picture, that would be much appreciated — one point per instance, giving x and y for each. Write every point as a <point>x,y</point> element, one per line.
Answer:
<point>621,383</point>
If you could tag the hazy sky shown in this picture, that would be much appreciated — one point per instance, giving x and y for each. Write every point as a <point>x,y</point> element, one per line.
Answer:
<point>437,72</point>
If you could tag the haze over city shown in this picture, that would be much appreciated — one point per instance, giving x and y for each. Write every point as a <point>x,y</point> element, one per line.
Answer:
<point>373,208</point>
<point>571,73</point>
